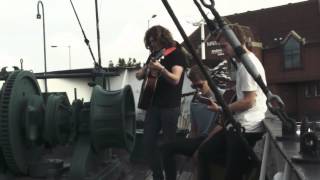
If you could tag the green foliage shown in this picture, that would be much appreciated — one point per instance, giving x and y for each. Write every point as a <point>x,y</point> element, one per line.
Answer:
<point>131,62</point>
<point>111,65</point>
<point>121,62</point>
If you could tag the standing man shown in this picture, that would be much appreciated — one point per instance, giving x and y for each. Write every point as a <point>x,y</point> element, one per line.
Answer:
<point>164,110</point>
<point>224,146</point>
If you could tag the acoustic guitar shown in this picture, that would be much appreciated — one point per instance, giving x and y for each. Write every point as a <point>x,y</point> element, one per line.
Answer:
<point>150,81</point>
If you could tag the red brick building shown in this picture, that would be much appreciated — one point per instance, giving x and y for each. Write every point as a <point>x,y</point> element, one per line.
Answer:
<point>288,44</point>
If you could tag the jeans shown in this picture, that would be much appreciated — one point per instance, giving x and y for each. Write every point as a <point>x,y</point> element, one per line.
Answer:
<point>157,119</point>
<point>227,149</point>
<point>184,147</point>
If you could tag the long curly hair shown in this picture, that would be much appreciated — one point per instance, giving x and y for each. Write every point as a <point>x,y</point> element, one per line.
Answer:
<point>161,35</point>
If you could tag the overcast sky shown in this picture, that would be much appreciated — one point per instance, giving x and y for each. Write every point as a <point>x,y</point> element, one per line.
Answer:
<point>122,27</point>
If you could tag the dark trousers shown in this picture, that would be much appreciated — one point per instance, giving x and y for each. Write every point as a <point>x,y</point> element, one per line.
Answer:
<point>184,147</point>
<point>157,119</point>
<point>227,149</point>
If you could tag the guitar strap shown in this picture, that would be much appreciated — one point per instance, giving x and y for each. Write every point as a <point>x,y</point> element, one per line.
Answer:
<point>169,51</point>
<point>162,52</point>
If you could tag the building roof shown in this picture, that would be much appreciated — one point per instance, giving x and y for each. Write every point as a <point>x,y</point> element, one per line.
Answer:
<point>74,73</point>
<point>271,25</point>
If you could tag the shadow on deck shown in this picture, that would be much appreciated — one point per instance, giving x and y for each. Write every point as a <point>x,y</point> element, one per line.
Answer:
<point>138,170</point>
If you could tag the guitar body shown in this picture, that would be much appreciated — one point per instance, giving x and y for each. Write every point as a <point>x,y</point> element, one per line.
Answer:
<point>148,88</point>
<point>230,96</point>
<point>149,84</point>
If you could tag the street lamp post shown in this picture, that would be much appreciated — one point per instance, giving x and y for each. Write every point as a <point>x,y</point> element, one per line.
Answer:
<point>153,16</point>
<point>44,43</point>
<point>203,44</point>
<point>69,52</point>
<point>201,23</point>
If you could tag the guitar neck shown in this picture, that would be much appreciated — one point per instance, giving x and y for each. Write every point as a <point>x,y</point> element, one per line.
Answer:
<point>161,54</point>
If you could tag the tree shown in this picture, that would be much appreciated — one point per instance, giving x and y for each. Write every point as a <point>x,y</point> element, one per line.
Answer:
<point>121,62</point>
<point>111,65</point>
<point>132,62</point>
<point>129,63</point>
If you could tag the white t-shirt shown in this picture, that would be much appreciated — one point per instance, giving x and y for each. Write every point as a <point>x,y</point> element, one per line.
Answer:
<point>251,118</point>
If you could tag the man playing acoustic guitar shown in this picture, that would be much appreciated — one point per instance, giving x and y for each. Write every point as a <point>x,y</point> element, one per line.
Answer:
<point>163,112</point>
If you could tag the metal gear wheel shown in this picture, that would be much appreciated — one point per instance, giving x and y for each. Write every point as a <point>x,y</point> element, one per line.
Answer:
<point>57,124</point>
<point>17,96</point>
<point>112,118</point>
<point>2,162</point>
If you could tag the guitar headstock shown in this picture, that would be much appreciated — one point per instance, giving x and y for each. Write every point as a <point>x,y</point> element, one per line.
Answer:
<point>158,55</point>
<point>161,53</point>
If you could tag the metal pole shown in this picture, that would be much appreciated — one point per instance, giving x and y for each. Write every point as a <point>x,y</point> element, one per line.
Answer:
<point>265,157</point>
<point>98,33</point>
<point>44,43</point>
<point>200,24</point>
<point>21,63</point>
<point>203,47</point>
<point>287,172</point>
<point>69,47</point>
<point>99,52</point>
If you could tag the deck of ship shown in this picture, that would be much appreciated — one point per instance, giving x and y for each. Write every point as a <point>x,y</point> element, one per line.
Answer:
<point>139,170</point>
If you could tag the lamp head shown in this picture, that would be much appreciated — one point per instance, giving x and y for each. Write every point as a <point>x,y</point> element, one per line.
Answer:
<point>38,12</point>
